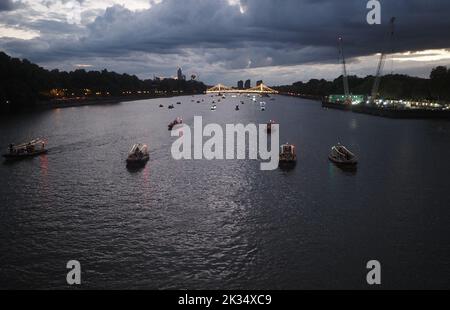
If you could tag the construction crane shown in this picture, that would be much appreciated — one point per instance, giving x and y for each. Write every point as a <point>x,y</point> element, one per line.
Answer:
<point>344,64</point>
<point>376,84</point>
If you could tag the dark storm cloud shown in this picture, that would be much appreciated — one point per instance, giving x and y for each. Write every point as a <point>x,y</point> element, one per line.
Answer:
<point>6,5</point>
<point>268,33</point>
<point>274,26</point>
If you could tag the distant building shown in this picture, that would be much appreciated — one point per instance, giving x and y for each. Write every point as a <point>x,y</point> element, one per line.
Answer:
<point>180,75</point>
<point>240,85</point>
<point>259,83</point>
<point>248,84</point>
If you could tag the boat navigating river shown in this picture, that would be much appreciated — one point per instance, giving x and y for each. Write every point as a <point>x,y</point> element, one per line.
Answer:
<point>224,224</point>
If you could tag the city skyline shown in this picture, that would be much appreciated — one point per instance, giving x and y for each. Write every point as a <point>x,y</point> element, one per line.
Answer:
<point>278,43</point>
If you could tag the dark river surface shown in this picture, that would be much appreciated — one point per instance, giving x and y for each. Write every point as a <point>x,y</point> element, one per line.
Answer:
<point>224,224</point>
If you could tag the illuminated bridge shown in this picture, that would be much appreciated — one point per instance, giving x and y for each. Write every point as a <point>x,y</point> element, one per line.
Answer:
<point>261,89</point>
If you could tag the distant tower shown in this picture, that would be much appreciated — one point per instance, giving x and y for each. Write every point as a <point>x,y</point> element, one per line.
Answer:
<point>259,83</point>
<point>248,84</point>
<point>180,74</point>
<point>240,84</point>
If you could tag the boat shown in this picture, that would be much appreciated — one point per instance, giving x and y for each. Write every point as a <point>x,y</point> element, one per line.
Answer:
<point>177,121</point>
<point>178,103</point>
<point>33,148</point>
<point>213,108</point>
<point>263,106</point>
<point>288,154</point>
<point>237,108</point>
<point>138,155</point>
<point>269,126</point>
<point>161,106</point>
<point>171,107</point>
<point>340,155</point>
<point>242,102</point>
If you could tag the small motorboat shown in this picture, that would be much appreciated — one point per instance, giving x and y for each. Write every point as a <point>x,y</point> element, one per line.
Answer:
<point>237,108</point>
<point>242,102</point>
<point>177,121</point>
<point>269,126</point>
<point>138,155</point>
<point>171,107</point>
<point>341,156</point>
<point>33,148</point>
<point>263,106</point>
<point>288,154</point>
<point>213,108</point>
<point>178,103</point>
<point>161,106</point>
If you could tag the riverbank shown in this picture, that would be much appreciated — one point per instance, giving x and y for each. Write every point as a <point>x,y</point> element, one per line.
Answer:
<point>303,96</point>
<point>78,102</point>
<point>390,112</point>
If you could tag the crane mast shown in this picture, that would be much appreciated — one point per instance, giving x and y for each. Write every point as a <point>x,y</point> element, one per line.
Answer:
<point>376,84</point>
<point>344,65</point>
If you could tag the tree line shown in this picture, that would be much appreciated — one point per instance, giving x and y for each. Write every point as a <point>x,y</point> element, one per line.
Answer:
<point>393,86</point>
<point>23,84</point>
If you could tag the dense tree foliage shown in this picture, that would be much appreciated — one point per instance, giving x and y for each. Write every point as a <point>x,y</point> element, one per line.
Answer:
<point>392,86</point>
<point>22,83</point>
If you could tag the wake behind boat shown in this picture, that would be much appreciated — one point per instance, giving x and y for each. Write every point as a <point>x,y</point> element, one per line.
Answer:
<point>26,150</point>
<point>340,155</point>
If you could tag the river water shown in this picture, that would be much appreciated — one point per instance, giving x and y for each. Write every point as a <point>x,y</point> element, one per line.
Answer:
<point>224,224</point>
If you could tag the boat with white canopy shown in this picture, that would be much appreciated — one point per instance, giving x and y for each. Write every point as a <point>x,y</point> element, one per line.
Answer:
<point>138,155</point>
<point>25,150</point>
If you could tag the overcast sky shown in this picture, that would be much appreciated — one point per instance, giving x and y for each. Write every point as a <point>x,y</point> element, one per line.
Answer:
<point>278,41</point>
